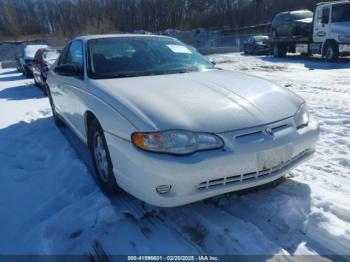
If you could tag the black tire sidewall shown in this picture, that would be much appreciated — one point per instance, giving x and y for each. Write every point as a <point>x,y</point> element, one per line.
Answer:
<point>276,51</point>
<point>335,53</point>
<point>111,185</point>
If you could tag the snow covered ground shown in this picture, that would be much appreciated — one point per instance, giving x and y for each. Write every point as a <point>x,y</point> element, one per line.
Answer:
<point>50,204</point>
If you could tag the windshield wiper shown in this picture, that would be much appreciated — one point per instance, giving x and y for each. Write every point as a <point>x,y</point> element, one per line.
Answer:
<point>119,75</point>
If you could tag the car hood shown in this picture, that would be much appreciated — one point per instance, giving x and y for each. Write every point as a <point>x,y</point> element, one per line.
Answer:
<point>213,101</point>
<point>305,21</point>
<point>341,28</point>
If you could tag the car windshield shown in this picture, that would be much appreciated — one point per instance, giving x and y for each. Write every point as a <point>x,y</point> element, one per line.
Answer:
<point>51,54</point>
<point>141,56</point>
<point>299,15</point>
<point>341,13</point>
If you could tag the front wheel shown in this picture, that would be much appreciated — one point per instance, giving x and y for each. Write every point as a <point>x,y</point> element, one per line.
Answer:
<point>332,52</point>
<point>101,158</point>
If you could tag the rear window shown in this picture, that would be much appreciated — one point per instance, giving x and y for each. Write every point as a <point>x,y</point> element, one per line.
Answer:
<point>341,13</point>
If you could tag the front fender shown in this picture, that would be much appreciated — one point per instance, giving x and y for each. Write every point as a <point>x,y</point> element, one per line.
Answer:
<point>111,120</point>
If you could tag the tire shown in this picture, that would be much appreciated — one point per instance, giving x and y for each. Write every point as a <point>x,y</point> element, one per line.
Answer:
<point>255,51</point>
<point>331,52</point>
<point>101,158</point>
<point>58,121</point>
<point>279,51</point>
<point>26,73</point>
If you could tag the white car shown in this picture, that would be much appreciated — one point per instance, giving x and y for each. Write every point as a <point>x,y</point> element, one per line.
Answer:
<point>167,126</point>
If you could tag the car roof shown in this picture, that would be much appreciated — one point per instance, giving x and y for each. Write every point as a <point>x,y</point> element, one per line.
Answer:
<point>50,49</point>
<point>264,36</point>
<point>333,3</point>
<point>90,37</point>
<point>31,47</point>
<point>294,11</point>
<point>300,11</point>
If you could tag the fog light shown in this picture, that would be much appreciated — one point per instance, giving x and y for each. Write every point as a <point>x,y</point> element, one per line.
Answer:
<point>163,189</point>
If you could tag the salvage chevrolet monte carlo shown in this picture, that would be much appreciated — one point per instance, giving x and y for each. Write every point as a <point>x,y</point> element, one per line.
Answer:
<point>167,126</point>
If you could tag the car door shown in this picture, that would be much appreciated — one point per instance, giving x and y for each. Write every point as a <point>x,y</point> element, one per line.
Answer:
<point>69,88</point>
<point>322,25</point>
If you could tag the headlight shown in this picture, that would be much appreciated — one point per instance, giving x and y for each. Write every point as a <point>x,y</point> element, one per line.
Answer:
<point>176,142</point>
<point>344,38</point>
<point>302,117</point>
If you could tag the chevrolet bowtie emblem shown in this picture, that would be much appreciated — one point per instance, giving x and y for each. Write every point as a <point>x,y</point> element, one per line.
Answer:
<point>269,131</point>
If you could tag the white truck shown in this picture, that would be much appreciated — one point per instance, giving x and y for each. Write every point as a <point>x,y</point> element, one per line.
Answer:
<point>330,36</point>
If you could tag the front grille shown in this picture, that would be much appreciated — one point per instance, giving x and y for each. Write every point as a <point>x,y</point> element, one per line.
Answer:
<point>259,134</point>
<point>250,177</point>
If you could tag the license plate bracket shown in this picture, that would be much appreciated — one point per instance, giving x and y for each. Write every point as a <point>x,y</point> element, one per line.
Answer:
<point>274,157</point>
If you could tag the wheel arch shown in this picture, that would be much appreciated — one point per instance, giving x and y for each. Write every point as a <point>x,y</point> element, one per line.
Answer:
<point>88,117</point>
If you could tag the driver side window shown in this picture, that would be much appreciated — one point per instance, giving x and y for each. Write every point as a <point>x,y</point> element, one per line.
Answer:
<point>325,15</point>
<point>74,54</point>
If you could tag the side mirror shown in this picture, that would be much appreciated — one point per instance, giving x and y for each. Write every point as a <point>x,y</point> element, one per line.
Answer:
<point>69,70</point>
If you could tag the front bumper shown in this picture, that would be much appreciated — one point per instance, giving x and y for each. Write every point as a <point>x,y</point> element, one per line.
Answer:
<point>344,49</point>
<point>250,158</point>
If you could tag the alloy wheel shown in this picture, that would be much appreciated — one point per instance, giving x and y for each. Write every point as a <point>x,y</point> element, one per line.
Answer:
<point>100,155</point>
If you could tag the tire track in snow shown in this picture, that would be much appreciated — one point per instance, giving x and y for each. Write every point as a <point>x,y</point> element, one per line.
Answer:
<point>222,232</point>
<point>136,211</point>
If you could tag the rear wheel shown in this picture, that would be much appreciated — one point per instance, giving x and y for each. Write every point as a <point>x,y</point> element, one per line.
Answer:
<point>331,52</point>
<point>279,51</point>
<point>101,158</point>
<point>26,73</point>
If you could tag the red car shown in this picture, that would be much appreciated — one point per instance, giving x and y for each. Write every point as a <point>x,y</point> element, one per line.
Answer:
<point>43,59</point>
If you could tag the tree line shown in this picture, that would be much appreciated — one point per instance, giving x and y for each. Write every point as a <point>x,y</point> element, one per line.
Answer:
<point>67,18</point>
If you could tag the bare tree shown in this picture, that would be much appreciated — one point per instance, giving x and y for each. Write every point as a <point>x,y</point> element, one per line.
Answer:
<point>68,18</point>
